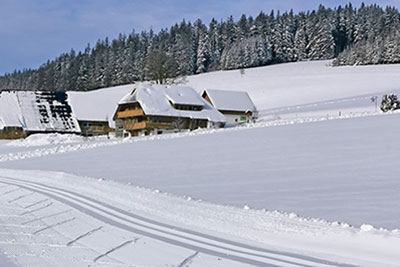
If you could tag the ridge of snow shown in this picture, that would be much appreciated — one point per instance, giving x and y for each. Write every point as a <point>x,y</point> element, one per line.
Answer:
<point>97,142</point>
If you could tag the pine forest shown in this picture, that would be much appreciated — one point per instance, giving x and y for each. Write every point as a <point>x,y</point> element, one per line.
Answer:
<point>350,36</point>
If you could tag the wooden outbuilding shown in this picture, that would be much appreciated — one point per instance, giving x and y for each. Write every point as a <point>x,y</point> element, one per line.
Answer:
<point>237,106</point>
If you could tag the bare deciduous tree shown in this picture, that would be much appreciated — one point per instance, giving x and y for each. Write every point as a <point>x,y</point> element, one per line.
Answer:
<point>160,67</point>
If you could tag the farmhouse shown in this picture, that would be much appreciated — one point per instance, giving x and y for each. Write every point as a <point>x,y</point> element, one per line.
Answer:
<point>235,105</point>
<point>94,110</point>
<point>155,109</point>
<point>26,112</point>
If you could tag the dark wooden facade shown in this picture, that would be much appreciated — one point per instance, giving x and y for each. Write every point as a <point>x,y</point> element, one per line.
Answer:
<point>94,128</point>
<point>12,133</point>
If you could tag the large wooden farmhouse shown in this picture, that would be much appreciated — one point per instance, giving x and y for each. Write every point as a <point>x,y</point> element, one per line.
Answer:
<point>237,106</point>
<point>94,110</point>
<point>155,109</point>
<point>25,112</point>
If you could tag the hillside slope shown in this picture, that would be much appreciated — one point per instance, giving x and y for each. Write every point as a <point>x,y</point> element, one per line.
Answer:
<point>302,83</point>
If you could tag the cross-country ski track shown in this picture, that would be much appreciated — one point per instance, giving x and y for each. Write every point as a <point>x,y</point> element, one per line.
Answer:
<point>198,242</point>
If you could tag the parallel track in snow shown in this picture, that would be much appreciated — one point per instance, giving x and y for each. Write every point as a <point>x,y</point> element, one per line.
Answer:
<point>170,234</point>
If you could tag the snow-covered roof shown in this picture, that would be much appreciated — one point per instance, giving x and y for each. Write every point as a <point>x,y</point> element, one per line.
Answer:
<point>98,105</point>
<point>230,100</point>
<point>10,112</point>
<point>156,100</point>
<point>37,111</point>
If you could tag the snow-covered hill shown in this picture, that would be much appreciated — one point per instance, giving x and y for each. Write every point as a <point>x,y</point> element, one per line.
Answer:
<point>320,150</point>
<point>302,83</point>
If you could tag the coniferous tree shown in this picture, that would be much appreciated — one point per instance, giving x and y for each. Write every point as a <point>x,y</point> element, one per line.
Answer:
<point>367,35</point>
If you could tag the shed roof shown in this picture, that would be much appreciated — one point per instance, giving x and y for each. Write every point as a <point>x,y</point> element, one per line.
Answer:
<point>155,100</point>
<point>230,100</point>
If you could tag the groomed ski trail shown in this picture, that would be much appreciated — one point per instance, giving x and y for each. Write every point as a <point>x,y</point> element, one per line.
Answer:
<point>171,234</point>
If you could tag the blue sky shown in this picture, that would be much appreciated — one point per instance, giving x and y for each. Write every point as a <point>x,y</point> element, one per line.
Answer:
<point>33,31</point>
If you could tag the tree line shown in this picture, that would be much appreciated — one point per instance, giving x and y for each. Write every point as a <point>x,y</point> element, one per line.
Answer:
<point>364,35</point>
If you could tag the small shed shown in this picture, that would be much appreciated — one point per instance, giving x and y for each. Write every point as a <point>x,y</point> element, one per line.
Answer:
<point>156,109</point>
<point>237,106</point>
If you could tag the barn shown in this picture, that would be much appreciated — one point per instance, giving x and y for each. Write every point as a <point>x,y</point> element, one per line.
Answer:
<point>27,112</point>
<point>237,106</point>
<point>155,109</point>
<point>94,110</point>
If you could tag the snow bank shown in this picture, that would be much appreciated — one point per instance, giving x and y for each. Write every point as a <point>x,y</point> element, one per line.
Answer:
<point>103,141</point>
<point>46,139</point>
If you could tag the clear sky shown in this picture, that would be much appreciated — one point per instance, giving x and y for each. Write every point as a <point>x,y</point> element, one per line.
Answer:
<point>33,31</point>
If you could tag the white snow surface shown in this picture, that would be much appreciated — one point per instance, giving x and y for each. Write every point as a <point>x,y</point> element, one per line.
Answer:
<point>301,83</point>
<point>55,219</point>
<point>155,100</point>
<point>183,95</point>
<point>10,112</point>
<point>339,170</point>
<point>231,100</point>
<point>320,154</point>
<point>97,105</point>
<point>36,140</point>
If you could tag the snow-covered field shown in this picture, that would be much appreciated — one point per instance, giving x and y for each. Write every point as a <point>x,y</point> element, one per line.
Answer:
<point>55,219</point>
<point>341,170</point>
<point>302,83</point>
<point>314,183</point>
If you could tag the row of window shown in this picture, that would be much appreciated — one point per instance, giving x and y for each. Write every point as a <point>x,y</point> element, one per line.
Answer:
<point>93,124</point>
<point>186,107</point>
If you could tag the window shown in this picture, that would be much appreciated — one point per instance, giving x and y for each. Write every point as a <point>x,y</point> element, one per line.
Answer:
<point>186,107</point>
